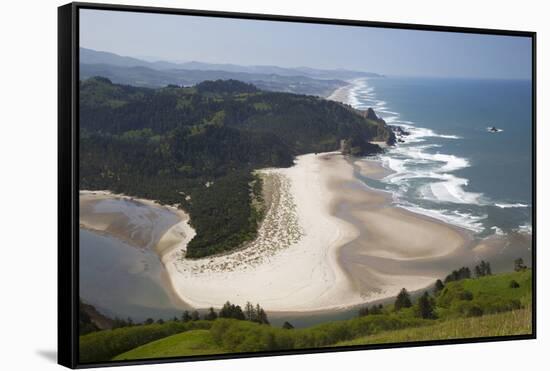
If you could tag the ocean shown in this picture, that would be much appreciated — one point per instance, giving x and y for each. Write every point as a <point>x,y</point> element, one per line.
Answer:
<point>450,166</point>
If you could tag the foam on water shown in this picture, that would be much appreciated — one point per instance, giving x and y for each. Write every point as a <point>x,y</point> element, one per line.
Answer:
<point>507,206</point>
<point>525,228</point>
<point>424,178</point>
<point>464,220</point>
<point>450,190</point>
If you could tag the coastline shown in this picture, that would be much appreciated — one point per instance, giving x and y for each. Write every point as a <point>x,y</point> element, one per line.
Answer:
<point>341,94</point>
<point>327,243</point>
<point>302,275</point>
<point>122,224</point>
<point>310,275</point>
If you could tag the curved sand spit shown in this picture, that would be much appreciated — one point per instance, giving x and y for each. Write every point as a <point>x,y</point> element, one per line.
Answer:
<point>294,264</point>
<point>326,242</point>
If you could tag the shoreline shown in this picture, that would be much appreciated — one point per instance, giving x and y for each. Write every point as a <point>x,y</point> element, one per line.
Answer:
<point>302,275</point>
<point>341,94</point>
<point>330,283</point>
<point>336,245</point>
<point>117,225</point>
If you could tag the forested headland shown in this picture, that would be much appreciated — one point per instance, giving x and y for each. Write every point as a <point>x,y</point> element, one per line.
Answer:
<point>198,147</point>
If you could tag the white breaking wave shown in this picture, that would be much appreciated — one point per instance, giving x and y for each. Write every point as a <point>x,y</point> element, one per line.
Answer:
<point>525,228</point>
<point>464,220</point>
<point>418,134</point>
<point>447,188</point>
<point>507,206</point>
<point>451,190</point>
<point>498,231</point>
<point>420,173</point>
<point>389,113</point>
<point>444,187</point>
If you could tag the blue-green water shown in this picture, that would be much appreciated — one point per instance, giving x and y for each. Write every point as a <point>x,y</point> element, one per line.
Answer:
<point>122,280</point>
<point>450,167</point>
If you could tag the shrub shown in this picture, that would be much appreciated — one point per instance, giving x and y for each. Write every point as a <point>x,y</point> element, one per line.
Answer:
<point>474,311</point>
<point>102,346</point>
<point>244,336</point>
<point>466,295</point>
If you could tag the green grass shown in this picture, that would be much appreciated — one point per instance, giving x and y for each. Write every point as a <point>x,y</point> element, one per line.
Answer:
<point>262,106</point>
<point>190,343</point>
<point>516,322</point>
<point>505,311</point>
<point>491,294</point>
<point>500,285</point>
<point>103,345</point>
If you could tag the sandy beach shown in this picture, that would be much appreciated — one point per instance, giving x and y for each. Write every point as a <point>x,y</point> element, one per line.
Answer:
<point>341,94</point>
<point>295,264</point>
<point>327,241</point>
<point>141,223</point>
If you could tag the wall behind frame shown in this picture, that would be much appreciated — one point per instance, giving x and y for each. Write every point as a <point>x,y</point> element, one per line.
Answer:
<point>28,155</point>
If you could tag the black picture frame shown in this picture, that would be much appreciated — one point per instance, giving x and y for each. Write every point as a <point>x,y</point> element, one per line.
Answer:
<point>68,206</point>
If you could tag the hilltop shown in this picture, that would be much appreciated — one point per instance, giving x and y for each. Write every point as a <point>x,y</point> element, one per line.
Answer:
<point>198,147</point>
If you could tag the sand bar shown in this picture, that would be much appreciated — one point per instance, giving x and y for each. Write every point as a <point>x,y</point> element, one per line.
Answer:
<point>327,242</point>
<point>295,263</point>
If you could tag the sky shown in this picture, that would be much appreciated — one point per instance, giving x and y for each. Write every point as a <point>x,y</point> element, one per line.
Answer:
<point>287,44</point>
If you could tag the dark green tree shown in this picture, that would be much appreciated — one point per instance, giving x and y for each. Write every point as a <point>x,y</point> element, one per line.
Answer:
<point>457,275</point>
<point>287,326</point>
<point>483,269</point>
<point>195,316</point>
<point>250,313</point>
<point>186,316</point>
<point>488,271</point>
<point>149,321</point>
<point>438,286</point>
<point>261,315</point>
<point>238,313</point>
<point>211,314</point>
<point>364,311</point>
<point>231,311</point>
<point>426,306</point>
<point>478,272</point>
<point>519,266</point>
<point>403,300</point>
<point>375,309</point>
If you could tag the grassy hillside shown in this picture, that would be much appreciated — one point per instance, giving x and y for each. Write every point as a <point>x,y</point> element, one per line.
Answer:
<point>104,345</point>
<point>487,295</point>
<point>501,309</point>
<point>190,343</point>
<point>517,322</point>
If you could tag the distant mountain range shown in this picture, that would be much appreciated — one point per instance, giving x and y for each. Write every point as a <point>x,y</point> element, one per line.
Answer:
<point>138,72</point>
